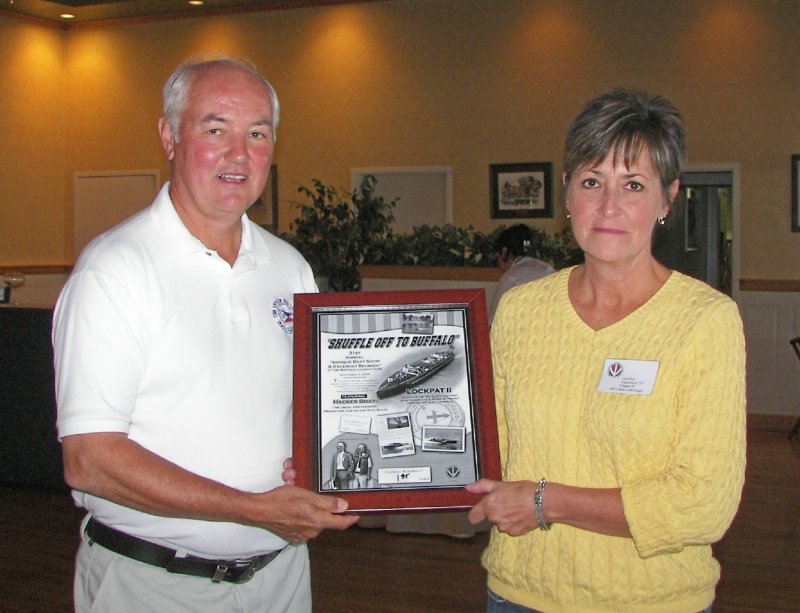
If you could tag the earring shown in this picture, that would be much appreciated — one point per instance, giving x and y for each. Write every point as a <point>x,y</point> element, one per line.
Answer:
<point>662,220</point>
<point>569,216</point>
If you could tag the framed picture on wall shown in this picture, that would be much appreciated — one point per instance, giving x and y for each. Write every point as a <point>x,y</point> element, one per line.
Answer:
<point>521,190</point>
<point>796,193</point>
<point>264,211</point>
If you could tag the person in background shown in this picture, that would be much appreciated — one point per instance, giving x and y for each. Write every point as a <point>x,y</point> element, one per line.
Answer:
<point>511,247</point>
<point>620,389</point>
<point>173,359</point>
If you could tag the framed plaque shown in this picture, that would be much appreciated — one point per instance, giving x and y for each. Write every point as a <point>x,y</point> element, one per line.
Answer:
<point>393,398</point>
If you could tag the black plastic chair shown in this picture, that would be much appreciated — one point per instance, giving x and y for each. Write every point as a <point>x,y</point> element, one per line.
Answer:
<point>795,343</point>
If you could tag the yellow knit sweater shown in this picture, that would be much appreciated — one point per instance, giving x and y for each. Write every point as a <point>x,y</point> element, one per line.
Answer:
<point>678,454</point>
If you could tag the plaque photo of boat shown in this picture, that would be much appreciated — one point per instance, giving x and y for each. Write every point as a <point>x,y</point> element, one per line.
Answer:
<point>411,375</point>
<point>395,436</point>
<point>443,438</point>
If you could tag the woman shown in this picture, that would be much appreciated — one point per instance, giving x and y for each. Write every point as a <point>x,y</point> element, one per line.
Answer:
<point>620,395</point>
<point>518,267</point>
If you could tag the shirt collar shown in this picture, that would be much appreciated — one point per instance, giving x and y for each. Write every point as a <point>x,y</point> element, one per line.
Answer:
<point>178,235</point>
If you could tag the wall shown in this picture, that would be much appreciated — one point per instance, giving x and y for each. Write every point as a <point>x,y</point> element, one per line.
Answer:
<point>771,319</point>
<point>418,82</point>
<point>461,83</point>
<point>32,153</point>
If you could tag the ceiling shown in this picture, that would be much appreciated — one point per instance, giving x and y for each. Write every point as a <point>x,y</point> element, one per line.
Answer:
<point>86,11</point>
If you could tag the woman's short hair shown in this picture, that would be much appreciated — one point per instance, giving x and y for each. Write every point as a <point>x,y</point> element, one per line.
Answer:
<point>177,88</point>
<point>627,121</point>
<point>516,240</point>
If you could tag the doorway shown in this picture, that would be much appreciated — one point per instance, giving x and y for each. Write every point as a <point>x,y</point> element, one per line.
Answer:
<point>697,238</point>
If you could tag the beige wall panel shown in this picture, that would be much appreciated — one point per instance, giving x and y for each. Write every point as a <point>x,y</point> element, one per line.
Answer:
<point>460,83</point>
<point>103,200</point>
<point>32,149</point>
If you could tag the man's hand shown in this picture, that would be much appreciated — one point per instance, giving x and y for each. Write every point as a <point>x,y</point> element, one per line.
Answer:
<point>289,474</point>
<point>508,505</point>
<point>296,514</point>
<point>101,463</point>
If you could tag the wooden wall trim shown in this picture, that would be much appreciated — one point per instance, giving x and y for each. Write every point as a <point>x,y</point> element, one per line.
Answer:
<point>49,269</point>
<point>493,274</point>
<point>435,272</point>
<point>769,285</point>
<point>443,273</point>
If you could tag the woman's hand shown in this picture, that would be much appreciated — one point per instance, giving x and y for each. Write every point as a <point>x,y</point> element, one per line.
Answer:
<point>508,505</point>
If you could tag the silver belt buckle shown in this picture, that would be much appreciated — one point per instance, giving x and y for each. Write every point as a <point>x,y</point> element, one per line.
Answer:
<point>249,572</point>
<point>245,565</point>
<point>219,573</point>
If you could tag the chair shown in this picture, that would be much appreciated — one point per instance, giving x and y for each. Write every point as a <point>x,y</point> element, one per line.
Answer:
<point>795,343</point>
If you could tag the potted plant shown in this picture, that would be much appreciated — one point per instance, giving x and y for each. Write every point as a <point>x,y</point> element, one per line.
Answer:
<point>449,245</point>
<point>338,231</point>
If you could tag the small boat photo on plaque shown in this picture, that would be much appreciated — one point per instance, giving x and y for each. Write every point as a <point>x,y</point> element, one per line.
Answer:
<point>393,398</point>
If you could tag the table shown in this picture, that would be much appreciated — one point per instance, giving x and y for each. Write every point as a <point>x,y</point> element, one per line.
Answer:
<point>30,453</point>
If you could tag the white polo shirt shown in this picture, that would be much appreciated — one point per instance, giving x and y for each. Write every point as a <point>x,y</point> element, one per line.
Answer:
<point>158,337</point>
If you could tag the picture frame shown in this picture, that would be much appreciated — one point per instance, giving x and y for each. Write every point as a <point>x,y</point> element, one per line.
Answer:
<point>691,223</point>
<point>401,382</point>
<point>521,190</point>
<point>264,211</point>
<point>796,192</point>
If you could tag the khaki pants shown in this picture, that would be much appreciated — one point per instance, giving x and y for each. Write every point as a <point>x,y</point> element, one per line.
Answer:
<point>106,582</point>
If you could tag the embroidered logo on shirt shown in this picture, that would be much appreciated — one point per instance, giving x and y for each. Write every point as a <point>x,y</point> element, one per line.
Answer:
<point>615,369</point>
<point>283,313</point>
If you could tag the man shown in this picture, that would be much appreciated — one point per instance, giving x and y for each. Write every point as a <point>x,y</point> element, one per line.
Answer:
<point>342,467</point>
<point>363,466</point>
<point>511,248</point>
<point>173,361</point>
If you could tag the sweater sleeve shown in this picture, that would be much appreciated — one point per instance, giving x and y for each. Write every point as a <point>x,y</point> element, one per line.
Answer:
<point>694,499</point>
<point>497,341</point>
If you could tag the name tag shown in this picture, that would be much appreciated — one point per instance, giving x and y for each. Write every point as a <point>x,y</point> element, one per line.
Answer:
<point>637,377</point>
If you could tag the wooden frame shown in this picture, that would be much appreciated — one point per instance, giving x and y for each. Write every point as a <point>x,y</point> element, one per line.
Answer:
<point>796,193</point>
<point>521,190</point>
<point>377,372</point>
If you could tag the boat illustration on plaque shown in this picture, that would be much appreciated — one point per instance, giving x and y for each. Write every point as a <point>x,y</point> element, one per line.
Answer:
<point>411,375</point>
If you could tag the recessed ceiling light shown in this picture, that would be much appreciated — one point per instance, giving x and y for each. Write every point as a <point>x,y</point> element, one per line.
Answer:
<point>196,2</point>
<point>67,16</point>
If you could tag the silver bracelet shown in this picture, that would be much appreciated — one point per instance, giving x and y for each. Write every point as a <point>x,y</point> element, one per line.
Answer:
<point>537,503</point>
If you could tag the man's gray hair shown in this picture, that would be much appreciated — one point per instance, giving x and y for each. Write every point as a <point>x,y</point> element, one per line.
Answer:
<point>177,87</point>
<point>627,121</point>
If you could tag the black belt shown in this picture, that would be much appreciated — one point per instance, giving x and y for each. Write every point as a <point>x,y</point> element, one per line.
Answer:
<point>233,571</point>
